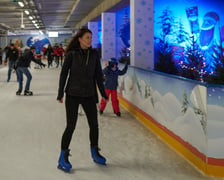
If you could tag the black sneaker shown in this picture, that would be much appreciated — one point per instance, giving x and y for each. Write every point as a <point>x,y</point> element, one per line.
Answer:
<point>118,114</point>
<point>28,93</point>
<point>101,112</point>
<point>18,92</point>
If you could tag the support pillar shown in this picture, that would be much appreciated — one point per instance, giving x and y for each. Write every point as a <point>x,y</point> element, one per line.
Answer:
<point>93,26</point>
<point>108,35</point>
<point>142,34</point>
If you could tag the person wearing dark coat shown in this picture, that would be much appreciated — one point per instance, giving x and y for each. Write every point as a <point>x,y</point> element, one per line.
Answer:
<point>22,66</point>
<point>80,75</point>
<point>12,55</point>
<point>49,52</point>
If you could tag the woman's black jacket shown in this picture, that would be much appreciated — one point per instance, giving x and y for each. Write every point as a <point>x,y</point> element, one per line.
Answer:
<point>80,73</point>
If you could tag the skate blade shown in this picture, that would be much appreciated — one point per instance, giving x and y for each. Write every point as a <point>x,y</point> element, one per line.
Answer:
<point>63,169</point>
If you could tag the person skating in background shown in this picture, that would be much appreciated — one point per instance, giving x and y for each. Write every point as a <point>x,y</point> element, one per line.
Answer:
<point>49,53</point>
<point>21,66</point>
<point>12,55</point>
<point>60,53</point>
<point>111,73</point>
<point>55,55</point>
<point>81,72</point>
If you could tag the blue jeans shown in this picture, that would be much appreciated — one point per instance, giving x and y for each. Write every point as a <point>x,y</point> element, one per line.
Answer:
<point>26,72</point>
<point>11,64</point>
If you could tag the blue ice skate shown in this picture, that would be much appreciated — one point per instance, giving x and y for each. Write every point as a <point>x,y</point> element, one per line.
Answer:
<point>63,162</point>
<point>97,158</point>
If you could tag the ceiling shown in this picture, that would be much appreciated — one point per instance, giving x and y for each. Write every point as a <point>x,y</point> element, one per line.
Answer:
<point>59,15</point>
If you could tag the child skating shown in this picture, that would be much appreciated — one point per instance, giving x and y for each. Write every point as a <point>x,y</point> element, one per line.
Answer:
<point>111,73</point>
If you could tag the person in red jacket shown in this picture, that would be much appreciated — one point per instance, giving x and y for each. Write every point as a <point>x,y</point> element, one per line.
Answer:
<point>60,53</point>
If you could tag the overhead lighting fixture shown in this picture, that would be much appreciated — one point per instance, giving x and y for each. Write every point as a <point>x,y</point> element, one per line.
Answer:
<point>10,33</point>
<point>41,32</point>
<point>21,4</point>
<point>36,25</point>
<point>30,17</point>
<point>5,26</point>
<point>27,12</point>
<point>52,34</point>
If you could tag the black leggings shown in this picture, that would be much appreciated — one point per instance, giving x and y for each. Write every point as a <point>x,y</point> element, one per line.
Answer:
<point>89,107</point>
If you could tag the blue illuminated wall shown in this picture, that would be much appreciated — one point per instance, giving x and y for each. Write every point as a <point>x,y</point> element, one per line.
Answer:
<point>190,33</point>
<point>100,32</point>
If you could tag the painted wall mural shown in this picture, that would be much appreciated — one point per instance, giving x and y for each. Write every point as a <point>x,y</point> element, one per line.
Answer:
<point>38,42</point>
<point>189,38</point>
<point>192,111</point>
<point>180,106</point>
<point>215,107</point>
<point>23,42</point>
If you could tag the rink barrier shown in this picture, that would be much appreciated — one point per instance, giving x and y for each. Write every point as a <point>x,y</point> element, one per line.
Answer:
<point>206,165</point>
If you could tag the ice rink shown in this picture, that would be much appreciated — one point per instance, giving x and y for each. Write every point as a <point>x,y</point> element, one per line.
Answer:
<point>31,129</point>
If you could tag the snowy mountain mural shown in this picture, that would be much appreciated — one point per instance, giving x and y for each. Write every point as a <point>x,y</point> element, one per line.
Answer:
<point>193,111</point>
<point>215,123</point>
<point>166,106</point>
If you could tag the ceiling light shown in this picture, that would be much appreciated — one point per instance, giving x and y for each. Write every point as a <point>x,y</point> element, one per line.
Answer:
<point>33,22</point>
<point>21,4</point>
<point>10,33</point>
<point>30,17</point>
<point>36,26</point>
<point>52,34</point>
<point>41,32</point>
<point>27,12</point>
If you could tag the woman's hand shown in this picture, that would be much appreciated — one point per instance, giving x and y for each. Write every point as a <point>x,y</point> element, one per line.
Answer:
<point>60,100</point>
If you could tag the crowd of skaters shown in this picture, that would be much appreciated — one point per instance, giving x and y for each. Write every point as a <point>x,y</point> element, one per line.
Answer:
<point>54,53</point>
<point>48,52</point>
<point>10,54</point>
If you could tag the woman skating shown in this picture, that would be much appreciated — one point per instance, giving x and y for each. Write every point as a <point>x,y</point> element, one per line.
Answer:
<point>81,72</point>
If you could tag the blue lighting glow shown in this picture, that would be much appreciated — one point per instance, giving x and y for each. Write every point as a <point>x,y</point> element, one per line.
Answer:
<point>191,33</point>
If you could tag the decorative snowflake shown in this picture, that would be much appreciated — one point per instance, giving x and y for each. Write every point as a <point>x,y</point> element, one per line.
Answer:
<point>139,53</point>
<point>147,43</point>
<point>139,20</point>
<point>143,3</point>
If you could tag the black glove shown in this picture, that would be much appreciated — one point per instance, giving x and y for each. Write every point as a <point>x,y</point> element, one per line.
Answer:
<point>59,97</point>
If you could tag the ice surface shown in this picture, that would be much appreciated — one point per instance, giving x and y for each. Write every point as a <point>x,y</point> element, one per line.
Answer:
<point>31,129</point>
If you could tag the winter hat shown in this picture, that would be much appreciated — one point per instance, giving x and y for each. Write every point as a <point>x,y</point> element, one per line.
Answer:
<point>113,60</point>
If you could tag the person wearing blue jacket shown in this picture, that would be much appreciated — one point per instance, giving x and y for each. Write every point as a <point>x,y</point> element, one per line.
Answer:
<point>111,73</point>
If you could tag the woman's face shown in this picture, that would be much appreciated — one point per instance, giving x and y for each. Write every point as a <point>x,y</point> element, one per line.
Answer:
<point>86,40</point>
